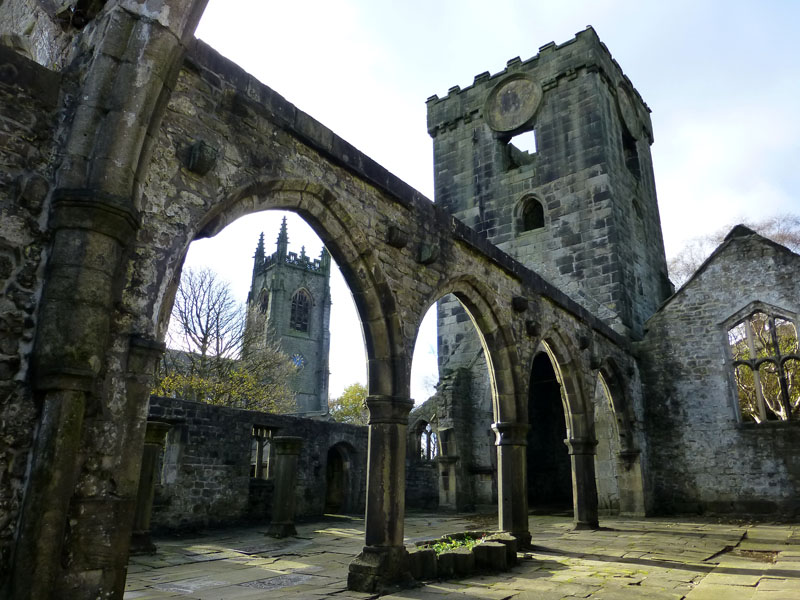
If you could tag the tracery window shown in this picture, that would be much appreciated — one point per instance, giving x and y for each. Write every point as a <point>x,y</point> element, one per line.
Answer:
<point>301,305</point>
<point>766,364</point>
<point>428,443</point>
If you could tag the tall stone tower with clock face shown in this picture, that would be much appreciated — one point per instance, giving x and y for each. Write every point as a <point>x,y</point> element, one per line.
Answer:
<point>290,302</point>
<point>549,159</point>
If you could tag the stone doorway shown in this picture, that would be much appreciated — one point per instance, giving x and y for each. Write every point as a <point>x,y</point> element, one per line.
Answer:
<point>549,466</point>
<point>336,481</point>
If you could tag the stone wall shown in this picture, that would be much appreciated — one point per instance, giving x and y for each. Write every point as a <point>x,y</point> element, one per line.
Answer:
<point>162,141</point>
<point>28,101</point>
<point>206,467</point>
<point>703,459</point>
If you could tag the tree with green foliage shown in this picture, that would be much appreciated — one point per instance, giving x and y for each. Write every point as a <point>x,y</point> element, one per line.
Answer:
<point>351,406</point>
<point>205,362</point>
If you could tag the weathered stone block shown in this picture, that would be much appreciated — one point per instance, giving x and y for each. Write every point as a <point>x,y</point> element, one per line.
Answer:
<point>490,556</point>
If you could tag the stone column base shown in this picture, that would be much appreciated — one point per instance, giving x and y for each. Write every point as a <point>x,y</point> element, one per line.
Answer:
<point>142,543</point>
<point>379,569</point>
<point>523,539</point>
<point>281,530</point>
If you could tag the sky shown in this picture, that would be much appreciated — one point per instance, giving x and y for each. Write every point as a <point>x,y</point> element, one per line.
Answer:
<point>722,79</point>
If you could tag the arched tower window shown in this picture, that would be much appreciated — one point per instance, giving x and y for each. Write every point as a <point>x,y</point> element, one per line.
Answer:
<point>531,215</point>
<point>263,302</point>
<point>301,305</point>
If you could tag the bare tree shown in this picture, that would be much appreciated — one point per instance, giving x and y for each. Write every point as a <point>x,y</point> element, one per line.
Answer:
<point>204,361</point>
<point>784,229</point>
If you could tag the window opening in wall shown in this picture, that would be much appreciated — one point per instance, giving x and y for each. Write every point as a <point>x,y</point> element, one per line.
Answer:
<point>263,304</point>
<point>521,149</point>
<point>532,215</point>
<point>260,452</point>
<point>301,303</point>
<point>766,367</point>
<point>631,153</point>
<point>428,443</point>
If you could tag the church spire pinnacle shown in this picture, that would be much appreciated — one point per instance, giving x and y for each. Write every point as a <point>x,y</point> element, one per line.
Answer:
<point>259,255</point>
<point>283,239</point>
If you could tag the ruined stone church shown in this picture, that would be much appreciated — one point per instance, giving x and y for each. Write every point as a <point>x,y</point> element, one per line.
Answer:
<point>572,375</point>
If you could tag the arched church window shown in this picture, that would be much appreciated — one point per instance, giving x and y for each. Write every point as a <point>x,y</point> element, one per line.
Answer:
<point>532,215</point>
<point>766,366</point>
<point>529,215</point>
<point>301,306</point>
<point>428,443</point>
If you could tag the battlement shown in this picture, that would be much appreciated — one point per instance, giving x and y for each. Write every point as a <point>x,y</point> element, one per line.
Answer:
<point>551,65</point>
<point>300,261</point>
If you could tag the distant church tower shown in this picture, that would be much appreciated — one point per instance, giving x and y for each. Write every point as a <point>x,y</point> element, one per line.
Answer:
<point>577,204</point>
<point>290,301</point>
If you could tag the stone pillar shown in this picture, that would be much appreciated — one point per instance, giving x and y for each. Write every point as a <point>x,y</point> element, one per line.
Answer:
<point>584,487</point>
<point>512,478</point>
<point>71,341</point>
<point>448,494</point>
<point>154,439</point>
<point>384,560</point>
<point>287,449</point>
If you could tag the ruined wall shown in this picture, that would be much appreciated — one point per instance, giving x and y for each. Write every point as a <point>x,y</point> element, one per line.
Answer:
<point>28,101</point>
<point>422,476</point>
<point>206,467</point>
<point>100,326</point>
<point>702,458</point>
<point>41,31</point>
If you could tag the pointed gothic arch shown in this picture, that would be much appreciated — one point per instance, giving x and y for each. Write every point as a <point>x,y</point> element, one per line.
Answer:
<point>579,425</point>
<point>492,327</point>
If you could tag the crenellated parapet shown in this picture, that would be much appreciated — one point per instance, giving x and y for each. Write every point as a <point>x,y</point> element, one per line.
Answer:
<point>554,64</point>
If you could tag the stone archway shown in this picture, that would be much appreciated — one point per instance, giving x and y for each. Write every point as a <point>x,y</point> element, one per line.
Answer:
<point>491,324</point>
<point>548,462</point>
<point>578,424</point>
<point>624,455</point>
<point>338,484</point>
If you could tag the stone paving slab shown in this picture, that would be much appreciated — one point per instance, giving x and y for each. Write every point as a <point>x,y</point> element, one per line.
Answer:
<point>625,559</point>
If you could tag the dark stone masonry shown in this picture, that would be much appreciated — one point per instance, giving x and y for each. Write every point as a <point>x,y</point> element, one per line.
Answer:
<point>572,378</point>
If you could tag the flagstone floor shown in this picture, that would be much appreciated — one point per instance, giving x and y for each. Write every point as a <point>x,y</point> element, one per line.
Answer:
<point>625,559</point>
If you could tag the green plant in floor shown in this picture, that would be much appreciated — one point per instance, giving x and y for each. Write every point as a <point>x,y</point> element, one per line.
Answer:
<point>450,543</point>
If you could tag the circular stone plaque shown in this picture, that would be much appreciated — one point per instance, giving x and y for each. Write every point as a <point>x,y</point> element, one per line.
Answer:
<point>512,103</point>
<point>629,115</point>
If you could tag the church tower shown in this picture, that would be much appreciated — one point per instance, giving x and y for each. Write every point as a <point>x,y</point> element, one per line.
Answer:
<point>290,302</point>
<point>550,160</point>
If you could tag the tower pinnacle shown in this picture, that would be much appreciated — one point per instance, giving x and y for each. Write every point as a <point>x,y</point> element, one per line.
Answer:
<point>283,239</point>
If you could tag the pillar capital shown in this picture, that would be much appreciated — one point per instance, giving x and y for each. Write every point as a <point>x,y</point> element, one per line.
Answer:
<point>143,353</point>
<point>95,210</point>
<point>509,433</point>
<point>389,409</point>
<point>581,446</point>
